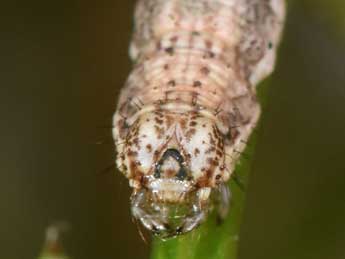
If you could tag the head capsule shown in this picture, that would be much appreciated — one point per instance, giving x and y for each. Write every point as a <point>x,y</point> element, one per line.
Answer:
<point>173,161</point>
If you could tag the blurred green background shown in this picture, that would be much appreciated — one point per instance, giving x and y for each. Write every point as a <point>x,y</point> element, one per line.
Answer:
<point>62,66</point>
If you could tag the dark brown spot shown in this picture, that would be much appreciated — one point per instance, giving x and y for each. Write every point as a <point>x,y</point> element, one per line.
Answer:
<point>209,173</point>
<point>170,51</point>
<point>215,162</point>
<point>149,148</point>
<point>208,44</point>
<point>210,150</point>
<point>211,54</point>
<point>203,182</point>
<point>205,70</point>
<point>193,123</point>
<point>159,131</point>
<point>166,66</point>
<point>190,133</point>
<point>215,131</point>
<point>183,123</point>
<point>196,151</point>
<point>218,176</point>
<point>159,121</point>
<point>210,160</point>
<point>172,83</point>
<point>132,167</point>
<point>195,33</point>
<point>194,99</point>
<point>132,153</point>
<point>197,84</point>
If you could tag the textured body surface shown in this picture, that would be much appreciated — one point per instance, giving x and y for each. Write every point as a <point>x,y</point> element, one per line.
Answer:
<point>189,104</point>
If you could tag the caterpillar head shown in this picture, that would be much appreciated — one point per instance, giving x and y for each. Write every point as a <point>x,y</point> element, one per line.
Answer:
<point>173,161</point>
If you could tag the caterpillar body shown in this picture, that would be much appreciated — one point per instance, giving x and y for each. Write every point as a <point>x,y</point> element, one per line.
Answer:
<point>189,104</point>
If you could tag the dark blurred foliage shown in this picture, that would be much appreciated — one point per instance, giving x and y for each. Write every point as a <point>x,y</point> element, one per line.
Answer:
<point>62,65</point>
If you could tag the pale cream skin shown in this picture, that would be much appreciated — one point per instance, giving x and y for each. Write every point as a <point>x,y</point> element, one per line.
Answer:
<point>189,104</point>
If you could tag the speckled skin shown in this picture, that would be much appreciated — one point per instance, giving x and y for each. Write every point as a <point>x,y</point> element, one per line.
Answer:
<point>192,89</point>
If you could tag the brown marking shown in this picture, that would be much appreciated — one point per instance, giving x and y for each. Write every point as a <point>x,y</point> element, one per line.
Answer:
<point>209,173</point>
<point>159,131</point>
<point>166,67</point>
<point>190,133</point>
<point>208,44</point>
<point>149,148</point>
<point>197,84</point>
<point>169,121</point>
<point>212,142</point>
<point>194,99</point>
<point>169,173</point>
<point>136,142</point>
<point>133,170</point>
<point>170,51</point>
<point>202,182</point>
<point>193,123</point>
<point>132,153</point>
<point>196,152</point>
<point>172,83</point>
<point>159,121</point>
<point>210,150</point>
<point>159,113</point>
<point>205,71</point>
<point>215,162</point>
<point>183,123</point>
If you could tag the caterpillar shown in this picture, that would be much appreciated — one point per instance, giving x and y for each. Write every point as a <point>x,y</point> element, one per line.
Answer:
<point>189,104</point>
